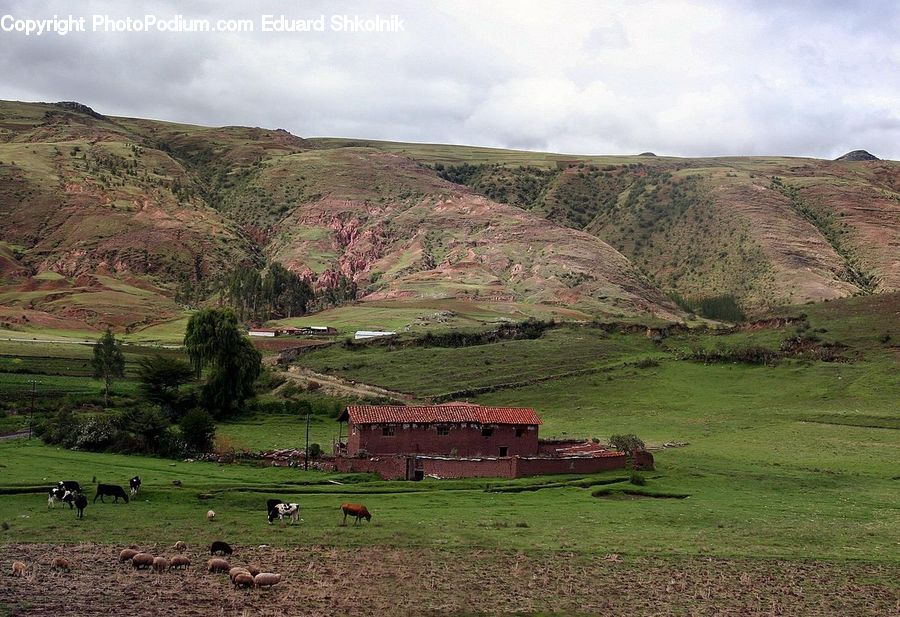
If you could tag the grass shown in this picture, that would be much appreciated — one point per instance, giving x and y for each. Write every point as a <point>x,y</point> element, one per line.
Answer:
<point>796,460</point>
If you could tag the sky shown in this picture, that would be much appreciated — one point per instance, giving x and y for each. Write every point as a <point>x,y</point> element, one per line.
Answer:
<point>675,78</point>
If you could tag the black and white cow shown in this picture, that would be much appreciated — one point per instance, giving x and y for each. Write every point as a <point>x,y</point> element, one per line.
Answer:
<point>69,485</point>
<point>60,494</point>
<point>135,484</point>
<point>290,510</point>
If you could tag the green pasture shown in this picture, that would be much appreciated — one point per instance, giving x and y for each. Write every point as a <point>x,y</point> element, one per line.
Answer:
<point>795,460</point>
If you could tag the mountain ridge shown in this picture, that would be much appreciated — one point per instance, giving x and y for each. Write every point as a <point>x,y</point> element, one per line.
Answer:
<point>147,206</point>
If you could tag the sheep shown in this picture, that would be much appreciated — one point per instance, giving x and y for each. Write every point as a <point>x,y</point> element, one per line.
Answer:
<point>160,565</point>
<point>180,546</point>
<point>242,579</point>
<point>179,562</point>
<point>237,570</point>
<point>266,579</point>
<point>142,561</point>
<point>217,564</point>
<point>126,554</point>
<point>211,515</point>
<point>60,563</point>
<point>254,570</point>
<point>19,568</point>
<point>220,548</point>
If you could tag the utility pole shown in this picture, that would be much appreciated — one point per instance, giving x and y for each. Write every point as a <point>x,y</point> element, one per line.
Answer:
<point>306,451</point>
<point>34,384</point>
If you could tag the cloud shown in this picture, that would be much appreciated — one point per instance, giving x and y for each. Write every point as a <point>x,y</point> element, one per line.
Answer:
<point>679,78</point>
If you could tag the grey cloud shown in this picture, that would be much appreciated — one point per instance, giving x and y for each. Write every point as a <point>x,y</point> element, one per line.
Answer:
<point>681,78</point>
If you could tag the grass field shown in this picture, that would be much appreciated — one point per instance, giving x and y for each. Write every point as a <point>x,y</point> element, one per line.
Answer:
<point>794,460</point>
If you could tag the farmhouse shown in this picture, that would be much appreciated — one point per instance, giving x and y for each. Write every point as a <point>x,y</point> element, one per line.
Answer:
<point>456,440</point>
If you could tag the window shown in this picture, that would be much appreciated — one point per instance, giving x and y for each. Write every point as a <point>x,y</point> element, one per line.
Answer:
<point>504,451</point>
<point>487,431</point>
<point>520,431</point>
<point>443,430</point>
<point>387,431</point>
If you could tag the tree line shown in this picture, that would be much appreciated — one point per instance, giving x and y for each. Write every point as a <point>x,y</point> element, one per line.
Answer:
<point>276,293</point>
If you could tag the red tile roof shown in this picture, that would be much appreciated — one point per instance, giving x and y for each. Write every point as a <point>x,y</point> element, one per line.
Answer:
<point>452,413</point>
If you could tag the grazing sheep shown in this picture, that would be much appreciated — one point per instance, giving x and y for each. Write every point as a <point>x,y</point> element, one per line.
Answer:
<point>19,568</point>
<point>180,546</point>
<point>242,579</point>
<point>254,570</point>
<point>180,562</point>
<point>60,563</point>
<point>126,554</point>
<point>216,564</point>
<point>220,548</point>
<point>266,579</point>
<point>160,565</point>
<point>237,570</point>
<point>210,515</point>
<point>142,561</point>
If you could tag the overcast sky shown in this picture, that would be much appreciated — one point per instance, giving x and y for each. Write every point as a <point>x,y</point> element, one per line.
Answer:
<point>677,78</point>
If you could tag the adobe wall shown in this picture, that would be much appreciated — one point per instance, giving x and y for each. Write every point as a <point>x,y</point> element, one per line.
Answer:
<point>462,441</point>
<point>388,467</point>
<point>477,468</point>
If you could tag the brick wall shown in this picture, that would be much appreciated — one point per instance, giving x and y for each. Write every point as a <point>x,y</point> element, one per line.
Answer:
<point>461,440</point>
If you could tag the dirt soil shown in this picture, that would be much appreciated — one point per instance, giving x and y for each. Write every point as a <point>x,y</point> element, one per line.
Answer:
<point>388,581</point>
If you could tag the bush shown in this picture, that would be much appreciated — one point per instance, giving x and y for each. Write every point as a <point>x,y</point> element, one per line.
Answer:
<point>637,479</point>
<point>315,451</point>
<point>198,430</point>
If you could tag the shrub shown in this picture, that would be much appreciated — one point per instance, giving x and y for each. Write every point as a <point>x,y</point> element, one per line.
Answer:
<point>198,430</point>
<point>315,451</point>
<point>637,479</point>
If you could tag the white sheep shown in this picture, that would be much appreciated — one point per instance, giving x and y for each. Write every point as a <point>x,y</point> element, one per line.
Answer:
<point>211,515</point>
<point>266,579</point>
<point>19,568</point>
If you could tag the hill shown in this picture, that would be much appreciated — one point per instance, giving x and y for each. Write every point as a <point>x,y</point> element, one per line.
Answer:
<point>127,222</point>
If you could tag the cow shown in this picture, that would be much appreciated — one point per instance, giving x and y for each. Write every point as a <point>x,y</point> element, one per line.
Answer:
<point>135,484</point>
<point>110,490</point>
<point>69,485</point>
<point>291,510</point>
<point>271,503</point>
<point>355,509</point>
<point>60,494</point>
<point>81,503</point>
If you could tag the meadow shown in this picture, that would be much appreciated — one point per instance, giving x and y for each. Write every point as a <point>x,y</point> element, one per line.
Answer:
<point>792,460</point>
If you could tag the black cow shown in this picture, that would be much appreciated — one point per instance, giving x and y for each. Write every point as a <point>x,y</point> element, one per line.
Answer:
<point>135,484</point>
<point>270,505</point>
<point>110,490</point>
<point>69,485</point>
<point>81,503</point>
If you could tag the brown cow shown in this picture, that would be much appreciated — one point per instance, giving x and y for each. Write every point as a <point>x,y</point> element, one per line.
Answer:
<point>355,509</point>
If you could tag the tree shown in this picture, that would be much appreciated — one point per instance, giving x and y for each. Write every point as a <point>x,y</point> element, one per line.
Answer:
<point>198,430</point>
<point>214,342</point>
<point>629,444</point>
<point>161,377</point>
<point>108,362</point>
<point>146,423</point>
